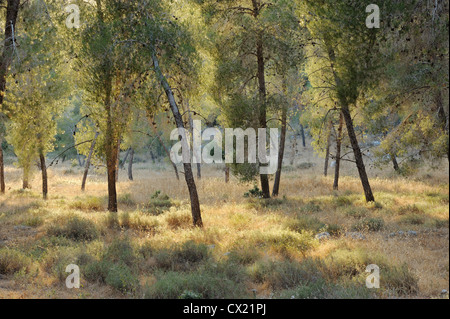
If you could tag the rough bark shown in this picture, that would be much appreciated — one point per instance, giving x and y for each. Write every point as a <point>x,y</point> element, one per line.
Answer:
<point>44,176</point>
<point>302,133</point>
<point>130,165</point>
<point>327,151</point>
<point>12,10</point>
<point>337,167</point>
<point>276,184</point>
<point>357,153</point>
<point>189,177</point>
<point>88,161</point>
<point>262,106</point>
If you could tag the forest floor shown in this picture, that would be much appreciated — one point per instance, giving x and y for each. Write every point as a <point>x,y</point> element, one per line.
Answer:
<point>248,247</point>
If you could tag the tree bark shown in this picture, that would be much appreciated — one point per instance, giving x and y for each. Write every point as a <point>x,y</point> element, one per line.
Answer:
<point>443,117</point>
<point>88,161</point>
<point>44,176</point>
<point>122,165</point>
<point>337,167</point>
<point>394,162</point>
<point>189,177</point>
<point>130,165</point>
<point>2,168</point>
<point>262,106</point>
<point>276,184</point>
<point>327,152</point>
<point>227,174</point>
<point>191,124</point>
<point>12,10</point>
<point>302,132</point>
<point>357,153</point>
<point>294,148</point>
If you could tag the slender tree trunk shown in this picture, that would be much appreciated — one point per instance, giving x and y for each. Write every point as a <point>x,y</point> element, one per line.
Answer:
<point>2,168</point>
<point>189,177</point>
<point>394,162</point>
<point>443,117</point>
<point>122,165</point>
<point>294,149</point>
<point>302,132</point>
<point>191,124</point>
<point>130,165</point>
<point>276,184</point>
<point>164,148</point>
<point>44,175</point>
<point>227,174</point>
<point>327,152</point>
<point>357,153</point>
<point>88,161</point>
<point>337,167</point>
<point>153,157</point>
<point>117,161</point>
<point>262,105</point>
<point>12,10</point>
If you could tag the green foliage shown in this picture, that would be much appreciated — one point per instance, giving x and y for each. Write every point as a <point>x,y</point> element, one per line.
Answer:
<point>75,228</point>
<point>369,224</point>
<point>13,261</point>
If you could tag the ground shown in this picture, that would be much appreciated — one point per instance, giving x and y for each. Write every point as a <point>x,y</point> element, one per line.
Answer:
<point>248,247</point>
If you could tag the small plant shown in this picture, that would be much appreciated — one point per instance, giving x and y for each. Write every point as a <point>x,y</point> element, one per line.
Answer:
<point>255,192</point>
<point>75,228</point>
<point>90,203</point>
<point>369,224</point>
<point>413,219</point>
<point>12,261</point>
<point>187,294</point>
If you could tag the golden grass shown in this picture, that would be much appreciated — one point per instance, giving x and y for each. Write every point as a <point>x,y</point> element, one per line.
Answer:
<point>232,221</point>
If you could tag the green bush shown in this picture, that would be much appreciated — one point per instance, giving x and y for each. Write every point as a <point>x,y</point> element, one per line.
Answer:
<point>75,228</point>
<point>181,257</point>
<point>357,212</point>
<point>121,251</point>
<point>369,224</point>
<point>126,199</point>
<point>13,261</point>
<point>209,283</point>
<point>89,203</point>
<point>122,278</point>
<point>302,223</point>
<point>413,219</point>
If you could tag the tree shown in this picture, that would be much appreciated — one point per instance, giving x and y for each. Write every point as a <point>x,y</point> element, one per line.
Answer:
<point>257,35</point>
<point>9,46</point>
<point>346,53</point>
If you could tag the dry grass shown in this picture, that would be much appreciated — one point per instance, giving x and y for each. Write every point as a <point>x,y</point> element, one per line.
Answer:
<point>277,235</point>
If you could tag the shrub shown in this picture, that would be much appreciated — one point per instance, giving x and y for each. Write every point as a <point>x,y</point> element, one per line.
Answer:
<point>244,256</point>
<point>181,257</point>
<point>342,201</point>
<point>13,261</point>
<point>413,219</point>
<point>178,219</point>
<point>121,251</point>
<point>75,228</point>
<point>356,212</point>
<point>158,203</point>
<point>209,283</point>
<point>126,199</point>
<point>311,207</point>
<point>138,221</point>
<point>255,192</point>
<point>286,241</point>
<point>122,278</point>
<point>370,224</point>
<point>89,203</point>
<point>400,280</point>
<point>302,223</point>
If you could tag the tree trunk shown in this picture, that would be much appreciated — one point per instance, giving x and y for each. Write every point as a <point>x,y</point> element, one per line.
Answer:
<point>88,161</point>
<point>337,167</point>
<point>12,10</point>
<point>276,184</point>
<point>262,105</point>
<point>130,165</point>
<point>227,174</point>
<point>2,168</point>
<point>122,165</point>
<point>357,153</point>
<point>327,152</point>
<point>443,117</point>
<point>294,149</point>
<point>44,175</point>
<point>189,177</point>
<point>394,162</point>
<point>191,124</point>
<point>164,148</point>
<point>117,161</point>
<point>302,132</point>
<point>153,157</point>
